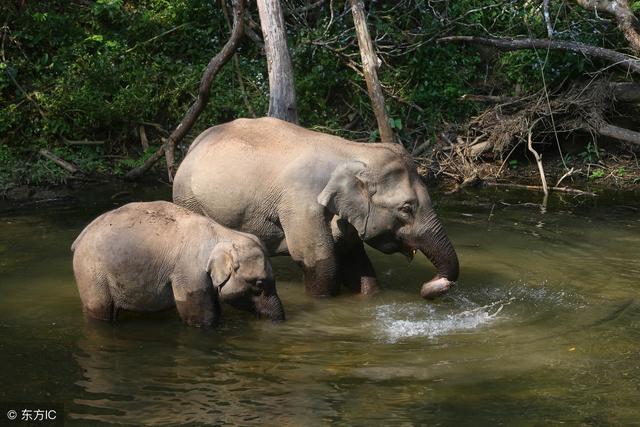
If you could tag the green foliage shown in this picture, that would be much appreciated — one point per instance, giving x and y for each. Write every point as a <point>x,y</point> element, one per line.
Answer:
<point>97,72</point>
<point>99,69</point>
<point>591,153</point>
<point>596,174</point>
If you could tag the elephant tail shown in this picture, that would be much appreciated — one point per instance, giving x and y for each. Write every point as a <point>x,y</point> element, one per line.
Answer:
<point>75,242</point>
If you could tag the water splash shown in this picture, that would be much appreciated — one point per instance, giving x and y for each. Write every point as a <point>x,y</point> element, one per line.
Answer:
<point>540,295</point>
<point>400,321</point>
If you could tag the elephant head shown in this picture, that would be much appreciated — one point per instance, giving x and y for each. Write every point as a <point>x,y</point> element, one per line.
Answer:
<point>386,201</point>
<point>242,274</point>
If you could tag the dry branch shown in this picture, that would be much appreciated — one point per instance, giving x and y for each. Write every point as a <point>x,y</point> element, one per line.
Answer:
<point>82,142</point>
<point>496,132</point>
<point>626,91</point>
<point>619,133</point>
<point>490,99</point>
<point>622,92</point>
<point>539,188</point>
<point>631,63</point>
<point>69,167</point>
<point>538,158</point>
<point>216,63</point>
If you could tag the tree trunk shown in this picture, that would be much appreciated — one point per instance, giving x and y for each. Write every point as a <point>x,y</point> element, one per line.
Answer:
<point>216,63</point>
<point>621,10</point>
<point>370,66</point>
<point>282,93</point>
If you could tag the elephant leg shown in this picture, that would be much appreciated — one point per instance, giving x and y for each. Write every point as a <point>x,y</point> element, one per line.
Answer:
<point>104,310</point>
<point>320,278</point>
<point>356,270</point>
<point>93,287</point>
<point>311,246</point>
<point>200,308</point>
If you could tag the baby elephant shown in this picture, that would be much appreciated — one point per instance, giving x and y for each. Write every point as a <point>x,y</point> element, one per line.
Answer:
<point>151,256</point>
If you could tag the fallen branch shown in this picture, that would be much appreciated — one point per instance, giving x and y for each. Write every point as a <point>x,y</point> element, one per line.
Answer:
<point>491,99</point>
<point>421,148</point>
<point>620,59</point>
<point>622,92</point>
<point>569,173</point>
<point>539,188</point>
<point>619,133</point>
<point>626,91</point>
<point>217,62</point>
<point>69,167</point>
<point>480,148</point>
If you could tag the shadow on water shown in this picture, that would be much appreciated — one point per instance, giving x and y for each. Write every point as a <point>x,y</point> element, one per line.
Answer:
<point>543,328</point>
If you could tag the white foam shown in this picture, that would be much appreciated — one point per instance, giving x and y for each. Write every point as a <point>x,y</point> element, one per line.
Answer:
<point>401,321</point>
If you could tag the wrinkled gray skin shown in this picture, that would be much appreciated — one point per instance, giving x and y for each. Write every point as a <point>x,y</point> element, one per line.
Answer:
<point>316,197</point>
<point>151,256</point>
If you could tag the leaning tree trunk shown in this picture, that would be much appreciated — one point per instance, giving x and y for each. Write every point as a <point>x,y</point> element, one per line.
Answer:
<point>369,66</point>
<point>282,93</point>
<point>216,63</point>
<point>623,14</point>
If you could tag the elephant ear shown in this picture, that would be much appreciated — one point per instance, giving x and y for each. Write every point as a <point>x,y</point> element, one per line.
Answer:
<point>348,194</point>
<point>222,262</point>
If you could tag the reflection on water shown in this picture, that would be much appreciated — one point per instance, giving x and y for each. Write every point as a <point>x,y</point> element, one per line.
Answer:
<point>543,328</point>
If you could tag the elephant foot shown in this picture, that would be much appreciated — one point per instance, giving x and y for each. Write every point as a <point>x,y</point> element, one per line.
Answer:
<point>435,287</point>
<point>106,312</point>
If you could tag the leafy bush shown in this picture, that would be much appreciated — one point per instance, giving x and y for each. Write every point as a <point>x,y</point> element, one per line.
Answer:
<point>99,69</point>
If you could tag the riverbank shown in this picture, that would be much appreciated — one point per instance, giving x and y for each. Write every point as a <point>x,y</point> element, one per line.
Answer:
<point>610,174</point>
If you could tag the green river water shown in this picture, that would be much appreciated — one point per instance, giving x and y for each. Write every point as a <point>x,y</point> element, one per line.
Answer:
<point>543,329</point>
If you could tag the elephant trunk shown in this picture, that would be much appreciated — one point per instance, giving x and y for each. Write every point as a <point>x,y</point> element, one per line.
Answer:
<point>436,246</point>
<point>269,305</point>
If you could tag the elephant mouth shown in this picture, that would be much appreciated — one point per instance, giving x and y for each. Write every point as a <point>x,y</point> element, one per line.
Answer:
<point>409,252</point>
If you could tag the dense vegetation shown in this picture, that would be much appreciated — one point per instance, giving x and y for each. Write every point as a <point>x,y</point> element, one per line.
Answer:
<point>99,69</point>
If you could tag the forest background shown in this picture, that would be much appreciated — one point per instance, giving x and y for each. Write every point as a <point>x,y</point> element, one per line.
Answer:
<point>100,83</point>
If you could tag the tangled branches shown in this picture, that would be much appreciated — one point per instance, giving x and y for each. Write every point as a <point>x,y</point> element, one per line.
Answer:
<point>499,130</point>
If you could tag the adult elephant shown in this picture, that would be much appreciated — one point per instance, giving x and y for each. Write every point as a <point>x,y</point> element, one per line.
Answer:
<point>316,197</point>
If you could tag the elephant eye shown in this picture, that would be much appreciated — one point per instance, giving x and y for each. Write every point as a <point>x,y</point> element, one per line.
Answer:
<point>406,209</point>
